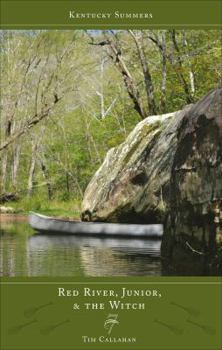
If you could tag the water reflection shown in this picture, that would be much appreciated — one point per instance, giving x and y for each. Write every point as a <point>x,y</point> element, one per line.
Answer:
<point>23,254</point>
<point>126,245</point>
<point>100,256</point>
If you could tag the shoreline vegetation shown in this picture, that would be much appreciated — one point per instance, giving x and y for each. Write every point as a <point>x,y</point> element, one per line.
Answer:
<point>21,208</point>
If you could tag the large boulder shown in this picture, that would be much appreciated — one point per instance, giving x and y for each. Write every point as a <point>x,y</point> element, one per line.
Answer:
<point>132,184</point>
<point>167,162</point>
<point>195,201</point>
<point>169,170</point>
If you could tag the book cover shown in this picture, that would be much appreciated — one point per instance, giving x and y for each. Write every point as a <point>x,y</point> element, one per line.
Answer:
<point>110,163</point>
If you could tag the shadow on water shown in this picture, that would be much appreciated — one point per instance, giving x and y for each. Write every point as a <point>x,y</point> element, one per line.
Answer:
<point>25,254</point>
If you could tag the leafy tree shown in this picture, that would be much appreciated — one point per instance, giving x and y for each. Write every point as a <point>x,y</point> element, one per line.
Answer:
<point>69,96</point>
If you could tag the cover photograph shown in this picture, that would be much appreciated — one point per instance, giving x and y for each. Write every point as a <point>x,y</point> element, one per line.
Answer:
<point>110,175</point>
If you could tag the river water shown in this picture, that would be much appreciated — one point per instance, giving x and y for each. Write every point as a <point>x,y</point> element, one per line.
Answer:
<point>24,253</point>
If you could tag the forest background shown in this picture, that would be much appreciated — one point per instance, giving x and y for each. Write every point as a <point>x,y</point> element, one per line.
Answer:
<point>67,97</point>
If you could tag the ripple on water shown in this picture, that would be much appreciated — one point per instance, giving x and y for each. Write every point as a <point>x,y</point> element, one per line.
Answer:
<point>23,254</point>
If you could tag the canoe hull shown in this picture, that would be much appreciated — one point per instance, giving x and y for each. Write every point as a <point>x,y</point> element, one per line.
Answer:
<point>42,223</point>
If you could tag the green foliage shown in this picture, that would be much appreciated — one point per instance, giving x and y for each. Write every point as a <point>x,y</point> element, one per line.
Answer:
<point>63,208</point>
<point>95,112</point>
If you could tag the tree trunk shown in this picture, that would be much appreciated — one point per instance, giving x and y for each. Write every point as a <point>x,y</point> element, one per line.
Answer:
<point>131,87</point>
<point>146,73</point>
<point>164,75</point>
<point>161,45</point>
<point>15,164</point>
<point>31,174</point>
<point>4,171</point>
<point>191,74</point>
<point>47,179</point>
<point>179,69</point>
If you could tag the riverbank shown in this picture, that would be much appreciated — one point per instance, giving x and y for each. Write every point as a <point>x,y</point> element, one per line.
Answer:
<point>18,210</point>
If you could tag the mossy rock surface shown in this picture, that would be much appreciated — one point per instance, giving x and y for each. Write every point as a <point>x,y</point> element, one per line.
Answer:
<point>169,166</point>
<point>132,183</point>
